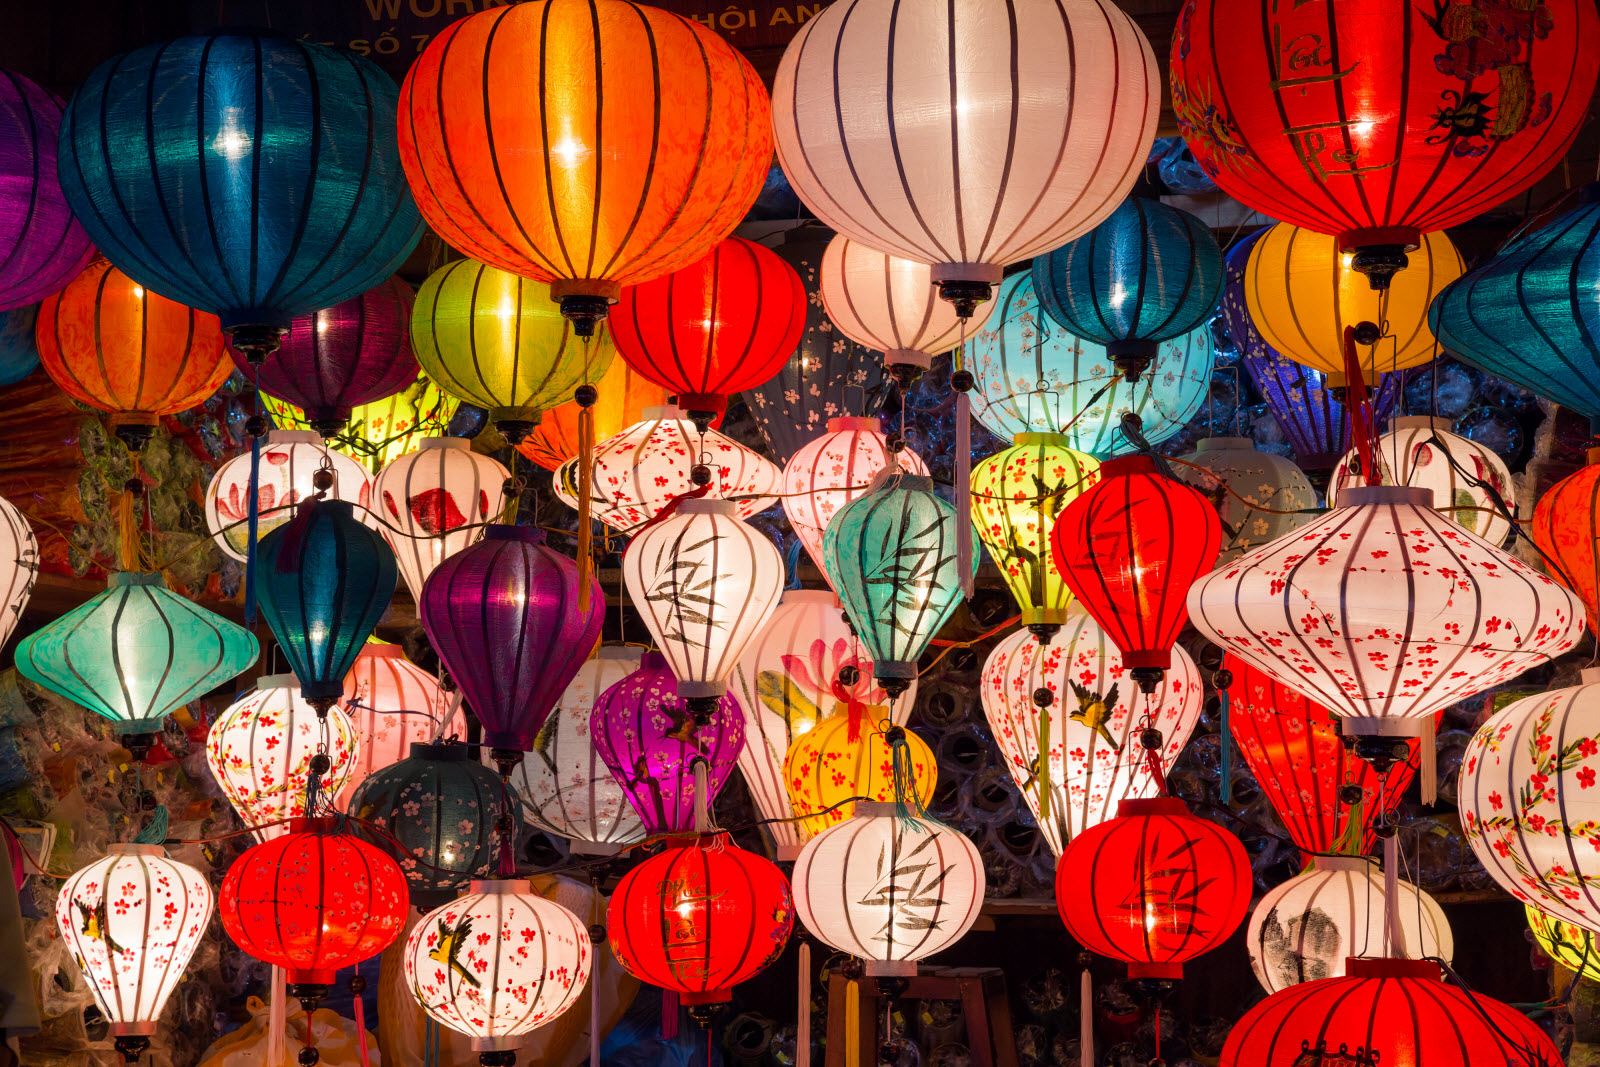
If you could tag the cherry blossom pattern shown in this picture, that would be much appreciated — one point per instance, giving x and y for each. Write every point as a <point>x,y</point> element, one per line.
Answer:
<point>392,703</point>
<point>434,501</point>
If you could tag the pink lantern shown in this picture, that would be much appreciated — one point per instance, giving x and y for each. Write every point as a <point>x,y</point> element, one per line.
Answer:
<point>289,458</point>
<point>392,703</point>
<point>436,500</point>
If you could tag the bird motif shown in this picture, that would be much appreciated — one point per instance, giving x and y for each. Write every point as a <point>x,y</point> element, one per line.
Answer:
<point>1094,710</point>
<point>96,924</point>
<point>448,950</point>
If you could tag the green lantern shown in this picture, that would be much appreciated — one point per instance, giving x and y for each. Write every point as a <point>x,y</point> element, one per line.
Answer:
<point>134,653</point>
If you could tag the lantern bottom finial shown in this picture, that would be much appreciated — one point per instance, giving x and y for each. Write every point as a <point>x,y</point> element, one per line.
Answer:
<point>585,312</point>
<point>1381,753</point>
<point>1380,263</point>
<point>139,745</point>
<point>330,424</point>
<point>132,1046</point>
<point>705,1014</point>
<point>965,295</point>
<point>309,994</point>
<point>1149,678</point>
<point>1044,631</point>
<point>505,1057</point>
<point>506,759</point>
<point>257,340</point>
<point>134,434</point>
<point>1132,357</point>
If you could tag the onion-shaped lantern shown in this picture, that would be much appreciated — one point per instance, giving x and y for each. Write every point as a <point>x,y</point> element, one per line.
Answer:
<point>851,754</point>
<point>1257,495</point>
<point>434,502</point>
<point>392,704</point>
<point>1566,522</point>
<point>289,461</point>
<point>19,566</point>
<point>42,246</point>
<point>622,393</point>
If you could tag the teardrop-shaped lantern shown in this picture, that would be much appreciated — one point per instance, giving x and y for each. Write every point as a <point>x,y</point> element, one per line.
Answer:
<point>392,704</point>
<point>434,502</point>
<point>289,460</point>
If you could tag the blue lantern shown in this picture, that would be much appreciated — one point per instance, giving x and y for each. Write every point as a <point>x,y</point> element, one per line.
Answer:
<point>1147,274</point>
<point>245,174</point>
<point>19,355</point>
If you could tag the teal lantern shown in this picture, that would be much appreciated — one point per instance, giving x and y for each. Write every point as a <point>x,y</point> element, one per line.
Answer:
<point>134,653</point>
<point>891,554</point>
<point>323,580</point>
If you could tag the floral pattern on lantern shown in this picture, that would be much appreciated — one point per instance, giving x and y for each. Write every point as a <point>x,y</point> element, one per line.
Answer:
<point>392,703</point>
<point>1235,475</point>
<point>849,755</point>
<point>289,459</point>
<point>434,502</point>
<point>384,430</point>
<point>623,393</point>
<point>1571,946</point>
<point>891,305</point>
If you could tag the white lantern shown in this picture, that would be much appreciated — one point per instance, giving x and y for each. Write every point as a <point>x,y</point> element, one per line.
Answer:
<point>640,469</point>
<point>391,704</point>
<point>966,135</point>
<point>497,962</point>
<point>435,501</point>
<point>832,470</point>
<point>1407,455</point>
<point>890,304</point>
<point>288,460</point>
<point>888,889</point>
<point>132,920</point>
<point>260,750</point>
<point>706,583</point>
<point>19,566</point>
<point>786,681</point>
<point>566,788</point>
<point>1092,730</point>
<point>1234,465</point>
<point>1305,929</point>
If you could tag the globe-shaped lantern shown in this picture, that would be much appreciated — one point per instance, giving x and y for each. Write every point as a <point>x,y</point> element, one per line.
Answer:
<point>1257,495</point>
<point>888,889</point>
<point>1147,273</point>
<point>1079,756</point>
<point>1566,521</point>
<point>382,431</point>
<point>1153,886</point>
<point>42,246</point>
<point>503,616</point>
<point>132,919</point>
<point>434,502</point>
<point>134,653</point>
<point>699,918</point>
<point>19,566</point>
<point>971,171</point>
<point>644,732</point>
<point>289,460</point>
<point>622,393</point>
<point>1571,946</point>
<point>848,755</point>
<point>392,704</point>
<point>1304,929</point>
<point>530,969</point>
<point>1130,547</point>
<point>19,348</point>
<point>249,175</point>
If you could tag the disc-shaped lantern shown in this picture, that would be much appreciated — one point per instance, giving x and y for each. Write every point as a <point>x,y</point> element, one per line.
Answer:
<point>848,755</point>
<point>289,460</point>
<point>1259,497</point>
<point>1566,521</point>
<point>42,246</point>
<point>434,502</point>
<point>392,703</point>
<point>19,566</point>
<point>622,394</point>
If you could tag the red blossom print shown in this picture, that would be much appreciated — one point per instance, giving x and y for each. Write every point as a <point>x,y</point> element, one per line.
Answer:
<point>1585,777</point>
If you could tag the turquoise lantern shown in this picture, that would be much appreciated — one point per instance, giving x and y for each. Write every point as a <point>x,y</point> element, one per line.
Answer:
<point>135,653</point>
<point>19,355</point>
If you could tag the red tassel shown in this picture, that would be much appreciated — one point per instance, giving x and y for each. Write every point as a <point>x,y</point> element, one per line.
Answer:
<point>293,538</point>
<point>1358,402</point>
<point>857,712</point>
<point>1152,758</point>
<point>669,1014</point>
<point>361,1028</point>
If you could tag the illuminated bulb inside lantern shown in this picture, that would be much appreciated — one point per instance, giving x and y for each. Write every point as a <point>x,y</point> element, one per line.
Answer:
<point>1361,128</point>
<point>570,152</point>
<point>231,142</point>
<point>1118,295</point>
<point>138,292</point>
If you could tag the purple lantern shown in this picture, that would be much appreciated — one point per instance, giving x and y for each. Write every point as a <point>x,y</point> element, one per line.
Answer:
<point>42,247</point>
<point>352,353</point>
<point>503,616</point>
<point>650,742</point>
<point>1313,421</point>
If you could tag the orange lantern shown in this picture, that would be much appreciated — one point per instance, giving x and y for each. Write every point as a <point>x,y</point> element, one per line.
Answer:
<point>514,160</point>
<point>1566,522</point>
<point>621,392</point>
<point>112,344</point>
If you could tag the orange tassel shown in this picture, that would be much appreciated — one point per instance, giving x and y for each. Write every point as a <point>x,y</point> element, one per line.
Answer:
<point>585,504</point>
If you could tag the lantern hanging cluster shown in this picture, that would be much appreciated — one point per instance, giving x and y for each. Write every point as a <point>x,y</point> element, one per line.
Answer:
<point>42,245</point>
<point>621,394</point>
<point>392,704</point>
<point>1259,497</point>
<point>434,502</point>
<point>284,479</point>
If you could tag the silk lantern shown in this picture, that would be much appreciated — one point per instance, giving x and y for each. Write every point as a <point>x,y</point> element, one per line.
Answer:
<point>248,175</point>
<point>434,502</point>
<point>1130,547</point>
<point>709,329</point>
<point>968,172</point>
<point>889,889</point>
<point>1571,946</point>
<point>503,616</point>
<point>623,393</point>
<point>851,754</point>
<point>112,344</point>
<point>1565,523</point>
<point>42,246</point>
<point>19,567</point>
<point>1147,273</point>
<point>1075,759</point>
<point>19,349</point>
<point>289,460</point>
<point>132,920</point>
<point>1236,475</point>
<point>683,134</point>
<point>392,703</point>
<point>380,432</point>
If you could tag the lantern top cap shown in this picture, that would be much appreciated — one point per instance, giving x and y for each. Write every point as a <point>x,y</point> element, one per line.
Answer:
<point>127,578</point>
<point>653,661</point>
<point>708,506</point>
<point>380,650</point>
<point>869,423</point>
<point>664,413</point>
<point>528,535</point>
<point>277,681</point>
<point>442,751</point>
<point>500,887</point>
<point>1356,967</point>
<point>312,824</point>
<point>1225,444</point>
<point>1360,495</point>
<point>134,848</point>
<point>1344,863</point>
<point>1122,465</point>
<point>460,444</point>
<point>1419,422</point>
<point>616,652</point>
<point>809,596</point>
<point>879,809</point>
<point>1152,806</point>
<point>293,437</point>
<point>1059,440</point>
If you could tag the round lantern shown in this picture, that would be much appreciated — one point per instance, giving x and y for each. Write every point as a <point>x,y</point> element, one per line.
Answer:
<point>566,787</point>
<point>1571,946</point>
<point>697,919</point>
<point>888,889</point>
<point>260,751</point>
<point>289,459</point>
<point>623,392</point>
<point>1236,474</point>
<point>642,468</point>
<point>1420,451</point>
<point>503,616</point>
<point>890,305</point>
<point>132,919</point>
<point>644,732</point>
<point>1302,291</point>
<point>339,358</point>
<point>1129,548</point>
<point>1565,523</point>
<point>434,502</point>
<point>683,136</point>
<point>19,566</point>
<point>718,325</point>
<point>1305,928</point>
<point>380,432</point>
<point>970,169</point>
<point>134,653</point>
<point>1148,273</point>
<point>435,812</point>
<point>19,348</point>
<point>392,704</point>
<point>830,471</point>
<point>112,344</point>
<point>706,582</point>
<point>1154,886</point>
<point>1033,377</point>
<point>1017,494</point>
<point>322,584</point>
<point>1079,756</point>
<point>496,340</point>
<point>497,962</point>
<point>851,754</point>
<point>250,175</point>
<point>42,246</point>
<point>313,901</point>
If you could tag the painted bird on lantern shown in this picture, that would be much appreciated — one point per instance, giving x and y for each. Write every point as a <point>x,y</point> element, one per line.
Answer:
<point>448,950</point>
<point>1094,710</point>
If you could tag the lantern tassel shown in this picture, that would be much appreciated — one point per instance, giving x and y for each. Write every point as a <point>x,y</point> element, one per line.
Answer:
<point>907,804</point>
<point>585,504</point>
<point>852,1023</point>
<point>802,1015</point>
<point>254,528</point>
<point>1351,839</point>
<point>1359,405</point>
<point>669,1014</point>
<point>361,1028</point>
<point>1391,918</point>
<point>1429,773</point>
<point>594,1012</point>
<point>278,1020</point>
<point>1086,1019</point>
<point>856,711</point>
<point>127,531</point>
<point>1041,770</point>
<point>702,791</point>
<point>1226,745</point>
<point>155,831</point>
<point>963,488</point>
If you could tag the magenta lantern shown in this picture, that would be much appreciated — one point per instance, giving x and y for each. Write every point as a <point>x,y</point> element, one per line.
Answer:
<point>42,247</point>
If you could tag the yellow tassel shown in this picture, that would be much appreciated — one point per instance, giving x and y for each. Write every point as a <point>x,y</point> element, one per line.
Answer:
<point>852,1025</point>
<point>585,492</point>
<point>128,522</point>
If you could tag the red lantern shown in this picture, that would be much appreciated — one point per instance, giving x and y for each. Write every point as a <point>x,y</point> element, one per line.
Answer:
<point>1155,887</point>
<point>313,901</point>
<point>699,918</point>
<point>724,323</point>
<point>1129,548</point>
<point>1385,1013</point>
<point>1566,523</point>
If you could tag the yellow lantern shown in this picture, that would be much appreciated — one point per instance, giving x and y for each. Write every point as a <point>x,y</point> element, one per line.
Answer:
<point>1571,946</point>
<point>1016,495</point>
<point>846,755</point>
<point>1302,292</point>
<point>382,431</point>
